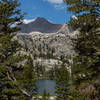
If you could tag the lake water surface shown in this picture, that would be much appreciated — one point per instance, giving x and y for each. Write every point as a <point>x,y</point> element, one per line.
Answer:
<point>46,85</point>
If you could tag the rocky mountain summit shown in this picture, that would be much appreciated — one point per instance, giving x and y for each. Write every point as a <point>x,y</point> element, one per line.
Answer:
<point>40,25</point>
<point>42,32</point>
<point>46,42</point>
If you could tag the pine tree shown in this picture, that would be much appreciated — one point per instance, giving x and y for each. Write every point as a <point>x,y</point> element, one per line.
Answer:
<point>86,63</point>
<point>45,96</point>
<point>27,78</point>
<point>7,64</point>
<point>62,82</point>
<point>10,15</point>
<point>17,81</point>
<point>13,74</point>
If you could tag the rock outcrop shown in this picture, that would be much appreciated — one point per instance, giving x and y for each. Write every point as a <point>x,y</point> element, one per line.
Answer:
<point>46,42</point>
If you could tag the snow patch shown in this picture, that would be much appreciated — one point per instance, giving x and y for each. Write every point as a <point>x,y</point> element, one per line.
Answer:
<point>26,21</point>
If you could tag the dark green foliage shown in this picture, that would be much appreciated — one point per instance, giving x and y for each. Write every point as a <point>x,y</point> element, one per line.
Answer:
<point>62,83</point>
<point>27,78</point>
<point>86,63</point>
<point>16,70</point>
<point>10,14</point>
<point>16,80</point>
<point>45,96</point>
<point>87,44</point>
<point>87,13</point>
<point>7,65</point>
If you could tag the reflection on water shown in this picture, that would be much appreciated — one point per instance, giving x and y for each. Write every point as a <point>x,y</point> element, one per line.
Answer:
<point>46,85</point>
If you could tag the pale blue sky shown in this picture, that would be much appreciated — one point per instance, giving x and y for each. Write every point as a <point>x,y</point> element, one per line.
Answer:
<point>53,10</point>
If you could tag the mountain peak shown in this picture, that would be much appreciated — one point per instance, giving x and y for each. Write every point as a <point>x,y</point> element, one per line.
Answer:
<point>41,25</point>
<point>42,20</point>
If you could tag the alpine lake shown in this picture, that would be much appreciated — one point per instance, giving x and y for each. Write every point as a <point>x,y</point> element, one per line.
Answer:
<point>46,85</point>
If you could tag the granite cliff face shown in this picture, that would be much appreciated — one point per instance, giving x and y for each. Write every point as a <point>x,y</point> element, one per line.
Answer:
<point>46,42</point>
<point>43,32</point>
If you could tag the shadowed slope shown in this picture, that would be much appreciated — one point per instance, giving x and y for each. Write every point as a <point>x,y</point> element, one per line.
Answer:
<point>40,25</point>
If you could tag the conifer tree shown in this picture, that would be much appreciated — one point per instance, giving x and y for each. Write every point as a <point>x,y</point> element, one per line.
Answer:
<point>17,81</point>
<point>86,63</point>
<point>13,74</point>
<point>7,66</point>
<point>45,96</point>
<point>10,15</point>
<point>62,82</point>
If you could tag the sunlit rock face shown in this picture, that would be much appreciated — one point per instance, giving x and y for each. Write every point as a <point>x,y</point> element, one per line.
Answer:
<point>45,34</point>
<point>46,42</point>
